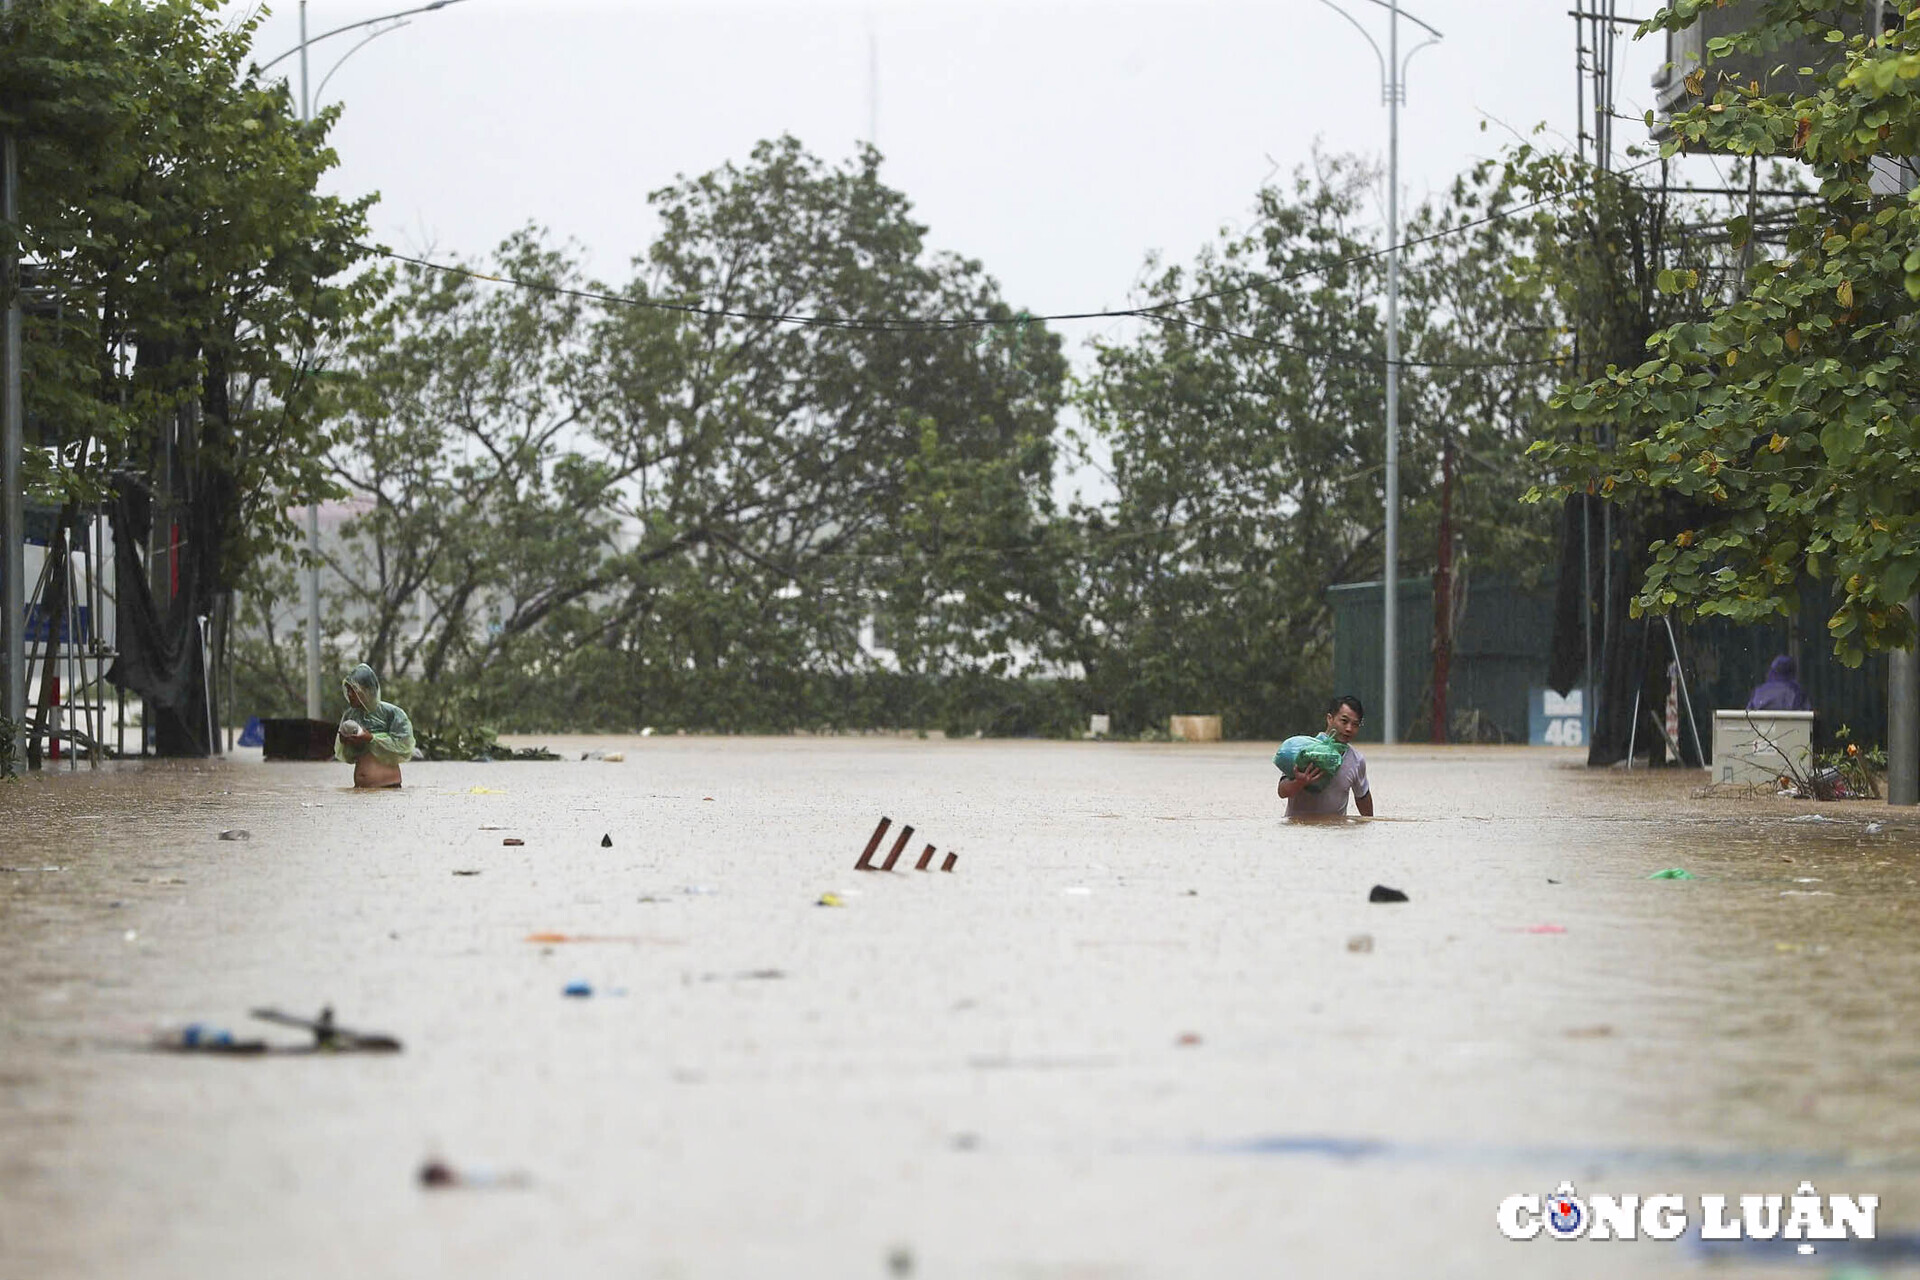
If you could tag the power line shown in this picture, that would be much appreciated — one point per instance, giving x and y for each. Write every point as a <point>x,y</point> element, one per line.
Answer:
<point>936,325</point>
<point>1154,312</point>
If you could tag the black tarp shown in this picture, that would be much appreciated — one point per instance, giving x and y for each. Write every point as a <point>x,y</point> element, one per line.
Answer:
<point>162,656</point>
<point>1630,655</point>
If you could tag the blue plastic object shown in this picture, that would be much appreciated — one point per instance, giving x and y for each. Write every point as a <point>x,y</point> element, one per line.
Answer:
<point>577,988</point>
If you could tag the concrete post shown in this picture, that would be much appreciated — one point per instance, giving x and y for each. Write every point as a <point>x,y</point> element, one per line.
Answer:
<point>1903,721</point>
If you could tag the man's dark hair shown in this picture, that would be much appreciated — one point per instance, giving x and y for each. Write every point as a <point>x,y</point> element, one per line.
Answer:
<point>1347,699</point>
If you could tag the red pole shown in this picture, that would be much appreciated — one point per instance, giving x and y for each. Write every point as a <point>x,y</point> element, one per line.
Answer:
<point>1443,594</point>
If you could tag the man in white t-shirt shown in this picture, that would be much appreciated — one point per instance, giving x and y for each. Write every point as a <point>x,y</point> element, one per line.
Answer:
<point>1344,715</point>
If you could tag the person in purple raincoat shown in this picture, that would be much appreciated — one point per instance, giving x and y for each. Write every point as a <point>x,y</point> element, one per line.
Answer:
<point>1780,691</point>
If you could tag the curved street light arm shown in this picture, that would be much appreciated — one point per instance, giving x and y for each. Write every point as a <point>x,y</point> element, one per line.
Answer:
<point>1379,57</point>
<point>319,93</point>
<point>1426,26</point>
<point>355,26</point>
<point>1403,62</point>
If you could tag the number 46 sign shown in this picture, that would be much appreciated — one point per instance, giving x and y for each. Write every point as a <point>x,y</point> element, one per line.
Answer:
<point>1556,719</point>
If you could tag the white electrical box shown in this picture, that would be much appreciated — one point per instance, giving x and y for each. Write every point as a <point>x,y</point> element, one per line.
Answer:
<point>1759,746</point>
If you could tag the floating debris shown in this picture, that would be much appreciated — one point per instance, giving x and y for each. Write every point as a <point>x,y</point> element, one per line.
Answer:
<point>439,1175</point>
<point>328,1037</point>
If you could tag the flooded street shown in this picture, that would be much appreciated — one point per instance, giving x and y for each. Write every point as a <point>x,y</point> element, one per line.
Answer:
<point>1145,1028</point>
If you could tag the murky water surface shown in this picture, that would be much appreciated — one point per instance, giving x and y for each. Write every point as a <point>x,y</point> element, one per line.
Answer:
<point>1145,1028</point>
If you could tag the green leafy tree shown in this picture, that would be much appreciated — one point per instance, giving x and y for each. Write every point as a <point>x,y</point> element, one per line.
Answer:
<point>1785,416</point>
<point>1244,427</point>
<point>694,500</point>
<point>180,254</point>
<point>461,434</point>
<point>1245,459</point>
<point>777,474</point>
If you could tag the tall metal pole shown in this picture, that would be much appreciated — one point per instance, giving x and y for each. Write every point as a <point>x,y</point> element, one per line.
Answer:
<point>1903,721</point>
<point>1390,579</point>
<point>13,528</point>
<point>310,581</point>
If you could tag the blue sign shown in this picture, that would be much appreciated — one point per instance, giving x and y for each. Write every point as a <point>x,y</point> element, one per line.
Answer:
<point>1557,719</point>
<point>37,625</point>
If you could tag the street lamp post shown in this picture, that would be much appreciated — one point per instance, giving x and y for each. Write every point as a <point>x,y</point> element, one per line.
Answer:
<point>1393,88</point>
<point>310,581</point>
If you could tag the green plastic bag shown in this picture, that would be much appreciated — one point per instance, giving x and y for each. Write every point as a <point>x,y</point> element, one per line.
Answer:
<point>1323,751</point>
<point>1673,873</point>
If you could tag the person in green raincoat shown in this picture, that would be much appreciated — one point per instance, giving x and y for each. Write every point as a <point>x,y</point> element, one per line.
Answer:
<point>375,737</point>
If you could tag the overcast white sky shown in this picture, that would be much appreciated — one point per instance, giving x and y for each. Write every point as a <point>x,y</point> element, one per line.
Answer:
<point>1058,143</point>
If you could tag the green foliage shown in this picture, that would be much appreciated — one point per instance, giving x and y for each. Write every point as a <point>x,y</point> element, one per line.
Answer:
<point>675,508</point>
<point>1243,436</point>
<point>1785,415</point>
<point>181,257</point>
<point>1857,772</point>
<point>473,742</point>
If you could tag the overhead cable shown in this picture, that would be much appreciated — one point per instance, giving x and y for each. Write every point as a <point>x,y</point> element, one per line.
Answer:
<point>938,324</point>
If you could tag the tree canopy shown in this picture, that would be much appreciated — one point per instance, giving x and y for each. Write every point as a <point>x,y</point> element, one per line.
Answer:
<point>178,252</point>
<point>1783,412</point>
<point>675,498</point>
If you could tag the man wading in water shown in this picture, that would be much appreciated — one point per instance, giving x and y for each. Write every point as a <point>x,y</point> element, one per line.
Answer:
<point>375,737</point>
<point>1344,715</point>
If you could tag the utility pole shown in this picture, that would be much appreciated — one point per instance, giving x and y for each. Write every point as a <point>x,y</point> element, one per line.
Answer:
<point>310,581</point>
<point>1903,720</point>
<point>1390,579</point>
<point>13,526</point>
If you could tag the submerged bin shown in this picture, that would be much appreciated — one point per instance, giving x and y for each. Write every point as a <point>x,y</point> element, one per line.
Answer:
<point>297,739</point>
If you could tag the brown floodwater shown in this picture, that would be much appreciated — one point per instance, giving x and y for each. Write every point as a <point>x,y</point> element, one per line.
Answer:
<point>1145,1028</point>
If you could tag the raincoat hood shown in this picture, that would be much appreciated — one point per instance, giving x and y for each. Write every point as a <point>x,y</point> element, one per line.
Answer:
<point>1782,668</point>
<point>363,679</point>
